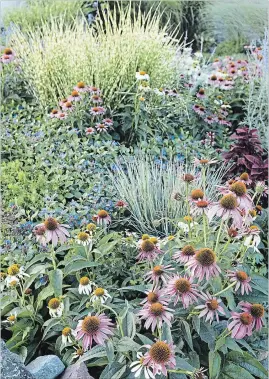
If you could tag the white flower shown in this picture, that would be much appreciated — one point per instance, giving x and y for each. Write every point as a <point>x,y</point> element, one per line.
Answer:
<point>56,307</point>
<point>85,286</point>
<point>142,75</point>
<point>11,318</point>
<point>253,240</point>
<point>66,336</point>
<point>11,281</point>
<point>139,368</point>
<point>83,238</point>
<point>99,295</point>
<point>198,54</point>
<point>185,227</point>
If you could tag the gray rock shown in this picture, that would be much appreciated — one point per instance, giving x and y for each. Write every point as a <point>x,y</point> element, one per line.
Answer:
<point>11,366</point>
<point>46,367</point>
<point>76,371</point>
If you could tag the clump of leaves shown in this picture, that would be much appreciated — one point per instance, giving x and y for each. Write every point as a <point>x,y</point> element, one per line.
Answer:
<point>247,154</point>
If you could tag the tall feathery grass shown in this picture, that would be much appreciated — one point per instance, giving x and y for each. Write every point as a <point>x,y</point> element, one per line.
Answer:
<point>56,56</point>
<point>149,190</point>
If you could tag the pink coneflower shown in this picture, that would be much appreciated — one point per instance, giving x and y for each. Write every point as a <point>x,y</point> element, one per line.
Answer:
<point>68,106</point>
<point>182,288</point>
<point>159,273</point>
<point>155,314</point>
<point>81,87</point>
<point>101,127</point>
<point>96,328</point>
<point>95,111</point>
<point>184,255</point>
<point>121,204</point>
<point>199,207</point>
<point>226,208</point>
<point>196,107</point>
<point>96,99</point>
<point>223,112</point>
<point>148,251</point>
<point>201,93</point>
<point>241,325</point>
<point>211,308</point>
<point>160,357</point>
<point>90,131</point>
<point>256,311</point>
<point>196,194</point>
<point>94,90</point>
<point>156,296</point>
<point>62,115</point>
<point>209,120</point>
<point>213,80</point>
<point>54,230</point>
<point>242,281</point>
<point>103,218</point>
<point>244,178</point>
<point>201,111</point>
<point>221,120</point>
<point>40,232</point>
<point>227,86</point>
<point>62,102</point>
<point>217,63</point>
<point>8,55</point>
<point>203,264</point>
<point>239,189</point>
<point>54,113</point>
<point>188,178</point>
<point>75,96</point>
<point>107,121</point>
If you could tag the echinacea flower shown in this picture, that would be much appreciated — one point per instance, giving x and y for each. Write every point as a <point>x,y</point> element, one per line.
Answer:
<point>138,367</point>
<point>68,106</point>
<point>16,270</point>
<point>121,204</point>
<point>83,238</point>
<point>201,93</point>
<point>90,131</point>
<point>159,273</point>
<point>62,115</point>
<point>56,307</point>
<point>78,353</point>
<point>96,111</point>
<point>40,233</point>
<point>184,255</point>
<point>54,113</point>
<point>244,177</point>
<point>261,188</point>
<point>201,111</point>
<point>256,311</point>
<point>182,288</point>
<point>81,87</point>
<point>94,90</point>
<point>85,286</point>
<point>99,295</point>
<point>203,264</point>
<point>66,336</point>
<point>242,281</point>
<point>54,230</point>
<point>155,296</point>
<point>12,281</point>
<point>188,178</point>
<point>11,319</point>
<point>96,99</point>
<point>241,326</point>
<point>240,191</point>
<point>142,75</point>
<point>226,208</point>
<point>107,121</point>
<point>213,80</point>
<point>148,251</point>
<point>97,328</point>
<point>211,308</point>
<point>199,207</point>
<point>253,238</point>
<point>160,357</point>
<point>91,227</point>
<point>75,96</point>
<point>103,218</point>
<point>155,314</point>
<point>196,194</point>
<point>210,120</point>
<point>101,127</point>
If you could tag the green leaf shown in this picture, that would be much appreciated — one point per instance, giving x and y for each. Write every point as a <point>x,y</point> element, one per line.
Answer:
<point>232,371</point>
<point>232,345</point>
<point>128,324</point>
<point>44,294</point>
<point>145,340</point>
<point>214,364</point>
<point>246,361</point>
<point>167,336</point>
<point>187,336</point>
<point>126,344</point>
<point>220,342</point>
<point>110,351</point>
<point>182,364</point>
<point>139,287</point>
<point>49,324</point>
<point>79,265</point>
<point>114,370</point>
<point>95,352</point>
<point>56,281</point>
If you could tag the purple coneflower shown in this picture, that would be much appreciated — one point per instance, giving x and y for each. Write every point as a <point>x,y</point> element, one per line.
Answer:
<point>54,230</point>
<point>201,111</point>
<point>196,194</point>
<point>94,90</point>
<point>201,93</point>
<point>211,308</point>
<point>203,264</point>
<point>148,251</point>
<point>121,204</point>
<point>160,357</point>
<point>68,106</point>
<point>242,281</point>
<point>101,127</point>
<point>184,255</point>
<point>96,328</point>
<point>107,121</point>
<point>203,162</point>
<point>241,325</point>
<point>256,311</point>
<point>239,189</point>
<point>54,113</point>
<point>244,178</point>
<point>95,111</point>
<point>209,120</point>
<point>81,87</point>
<point>156,296</point>
<point>199,207</point>
<point>155,314</point>
<point>226,208</point>
<point>40,233</point>
<point>182,288</point>
<point>90,131</point>
<point>103,218</point>
<point>62,115</point>
<point>96,99</point>
<point>159,273</point>
<point>213,80</point>
<point>75,96</point>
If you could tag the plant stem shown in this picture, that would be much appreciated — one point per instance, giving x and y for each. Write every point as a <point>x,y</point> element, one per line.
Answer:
<point>225,289</point>
<point>218,236</point>
<point>181,372</point>
<point>53,258</point>
<point>204,224</point>
<point>203,178</point>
